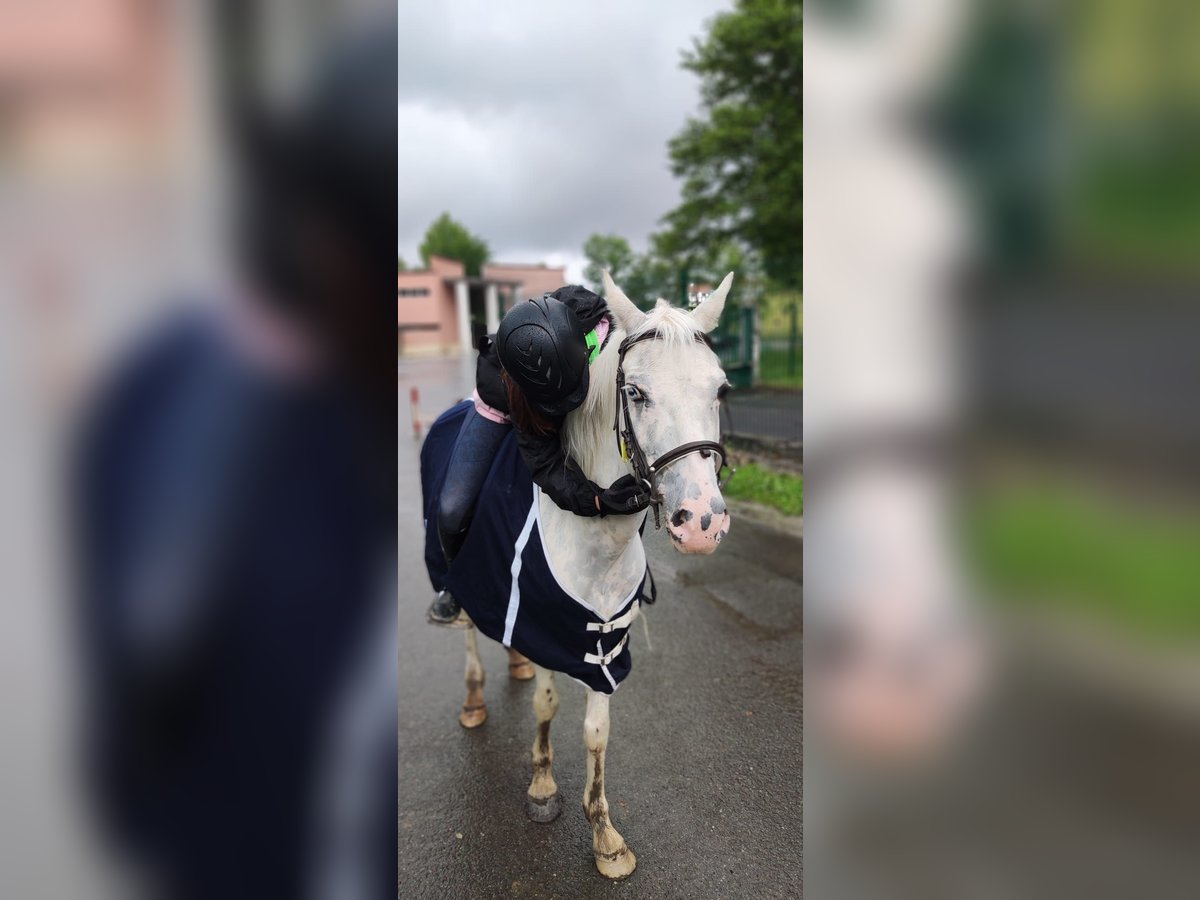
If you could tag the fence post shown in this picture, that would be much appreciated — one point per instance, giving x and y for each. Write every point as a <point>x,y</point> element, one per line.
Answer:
<point>414,404</point>
<point>752,341</point>
<point>793,336</point>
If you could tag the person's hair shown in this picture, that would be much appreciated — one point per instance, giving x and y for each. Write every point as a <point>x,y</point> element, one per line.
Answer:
<point>524,415</point>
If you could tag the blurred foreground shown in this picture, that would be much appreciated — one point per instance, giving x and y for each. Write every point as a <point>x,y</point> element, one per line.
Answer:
<point>197,396</point>
<point>1002,514</point>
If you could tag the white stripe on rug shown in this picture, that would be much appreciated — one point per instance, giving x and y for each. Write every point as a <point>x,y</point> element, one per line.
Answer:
<point>514,591</point>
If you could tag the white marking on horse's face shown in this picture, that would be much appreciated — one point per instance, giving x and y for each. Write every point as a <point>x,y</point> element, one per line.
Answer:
<point>672,390</point>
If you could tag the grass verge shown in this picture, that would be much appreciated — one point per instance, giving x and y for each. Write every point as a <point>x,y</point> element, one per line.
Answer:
<point>779,490</point>
<point>1135,566</point>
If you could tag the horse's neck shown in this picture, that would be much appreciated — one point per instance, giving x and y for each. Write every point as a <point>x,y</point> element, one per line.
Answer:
<point>597,559</point>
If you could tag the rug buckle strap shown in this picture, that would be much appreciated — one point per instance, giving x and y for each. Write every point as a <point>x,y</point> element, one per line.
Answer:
<point>623,621</point>
<point>607,657</point>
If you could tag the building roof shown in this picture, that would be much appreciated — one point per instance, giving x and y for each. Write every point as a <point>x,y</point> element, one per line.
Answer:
<point>479,280</point>
<point>499,265</point>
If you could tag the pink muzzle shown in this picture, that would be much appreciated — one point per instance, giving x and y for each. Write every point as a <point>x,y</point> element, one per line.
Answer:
<point>698,526</point>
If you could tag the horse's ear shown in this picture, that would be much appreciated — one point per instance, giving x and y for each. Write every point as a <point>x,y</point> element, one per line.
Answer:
<point>708,313</point>
<point>628,316</point>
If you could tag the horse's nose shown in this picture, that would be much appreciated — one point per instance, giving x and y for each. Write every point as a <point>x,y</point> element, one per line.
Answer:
<point>698,526</point>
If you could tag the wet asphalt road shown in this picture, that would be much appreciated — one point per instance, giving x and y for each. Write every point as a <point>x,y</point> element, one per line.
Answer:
<point>704,760</point>
<point>766,414</point>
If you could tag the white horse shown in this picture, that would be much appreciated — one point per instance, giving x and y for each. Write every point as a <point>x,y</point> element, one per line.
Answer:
<point>671,380</point>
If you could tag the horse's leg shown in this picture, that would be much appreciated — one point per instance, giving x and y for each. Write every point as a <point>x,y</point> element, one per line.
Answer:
<point>613,858</point>
<point>543,802</point>
<point>519,667</point>
<point>474,711</point>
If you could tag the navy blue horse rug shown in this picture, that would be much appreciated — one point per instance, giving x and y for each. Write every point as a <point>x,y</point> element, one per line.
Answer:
<point>503,578</point>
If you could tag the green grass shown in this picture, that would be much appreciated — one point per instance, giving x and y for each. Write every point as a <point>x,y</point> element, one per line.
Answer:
<point>1143,212</point>
<point>773,369</point>
<point>779,490</point>
<point>1135,566</point>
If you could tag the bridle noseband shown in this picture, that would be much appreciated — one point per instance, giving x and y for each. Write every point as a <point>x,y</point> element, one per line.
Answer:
<point>627,443</point>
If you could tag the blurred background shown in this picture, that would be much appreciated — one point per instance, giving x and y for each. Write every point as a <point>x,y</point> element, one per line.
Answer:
<point>1003,666</point>
<point>198,534</point>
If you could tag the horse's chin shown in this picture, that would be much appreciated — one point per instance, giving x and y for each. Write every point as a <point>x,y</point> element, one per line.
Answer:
<point>703,550</point>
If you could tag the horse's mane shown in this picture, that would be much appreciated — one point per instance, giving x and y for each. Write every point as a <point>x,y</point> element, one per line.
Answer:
<point>676,327</point>
<point>588,431</point>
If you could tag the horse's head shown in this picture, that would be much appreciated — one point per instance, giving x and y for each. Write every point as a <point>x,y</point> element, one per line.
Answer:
<point>671,386</point>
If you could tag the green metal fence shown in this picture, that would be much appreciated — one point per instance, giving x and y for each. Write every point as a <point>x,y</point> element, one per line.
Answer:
<point>781,343</point>
<point>733,339</point>
<point>763,344</point>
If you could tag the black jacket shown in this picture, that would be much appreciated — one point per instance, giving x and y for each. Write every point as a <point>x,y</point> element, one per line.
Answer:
<point>553,471</point>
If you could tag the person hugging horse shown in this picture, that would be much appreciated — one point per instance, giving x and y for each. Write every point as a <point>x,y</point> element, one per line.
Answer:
<point>528,377</point>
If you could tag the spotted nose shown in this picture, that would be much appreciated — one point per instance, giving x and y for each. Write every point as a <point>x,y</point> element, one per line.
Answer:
<point>699,525</point>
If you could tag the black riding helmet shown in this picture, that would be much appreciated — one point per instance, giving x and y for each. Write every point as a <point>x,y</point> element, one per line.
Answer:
<point>542,346</point>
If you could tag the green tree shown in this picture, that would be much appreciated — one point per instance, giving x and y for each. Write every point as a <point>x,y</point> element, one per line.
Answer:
<point>742,161</point>
<point>650,277</point>
<point>732,256</point>
<point>643,277</point>
<point>450,239</point>
<point>606,251</point>
<point>401,265</point>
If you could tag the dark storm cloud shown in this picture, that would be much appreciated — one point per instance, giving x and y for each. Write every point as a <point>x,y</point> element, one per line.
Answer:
<point>537,124</point>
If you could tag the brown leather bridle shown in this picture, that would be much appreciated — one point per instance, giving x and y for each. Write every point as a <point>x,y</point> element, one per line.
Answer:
<point>627,443</point>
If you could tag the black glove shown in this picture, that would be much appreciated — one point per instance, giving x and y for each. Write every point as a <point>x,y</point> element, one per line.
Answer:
<point>623,497</point>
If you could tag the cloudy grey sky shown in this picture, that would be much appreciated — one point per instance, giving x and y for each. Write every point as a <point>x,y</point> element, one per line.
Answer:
<point>536,124</point>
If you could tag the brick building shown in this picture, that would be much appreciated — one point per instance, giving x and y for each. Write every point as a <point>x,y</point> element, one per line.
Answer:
<point>438,308</point>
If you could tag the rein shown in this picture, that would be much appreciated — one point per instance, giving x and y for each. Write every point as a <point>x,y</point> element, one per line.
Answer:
<point>627,443</point>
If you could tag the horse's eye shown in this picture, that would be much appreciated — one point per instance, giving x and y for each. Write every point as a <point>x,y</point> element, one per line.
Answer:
<point>632,392</point>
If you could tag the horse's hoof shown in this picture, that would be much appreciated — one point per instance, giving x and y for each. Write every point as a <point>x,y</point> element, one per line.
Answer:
<point>520,671</point>
<point>616,865</point>
<point>543,809</point>
<point>446,612</point>
<point>472,718</point>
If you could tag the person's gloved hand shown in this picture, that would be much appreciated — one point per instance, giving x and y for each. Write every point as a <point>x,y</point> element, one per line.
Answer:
<point>623,497</point>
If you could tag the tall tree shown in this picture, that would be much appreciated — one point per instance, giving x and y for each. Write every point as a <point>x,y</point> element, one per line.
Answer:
<point>606,251</point>
<point>650,277</point>
<point>448,238</point>
<point>742,161</point>
<point>401,265</point>
<point>643,277</point>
